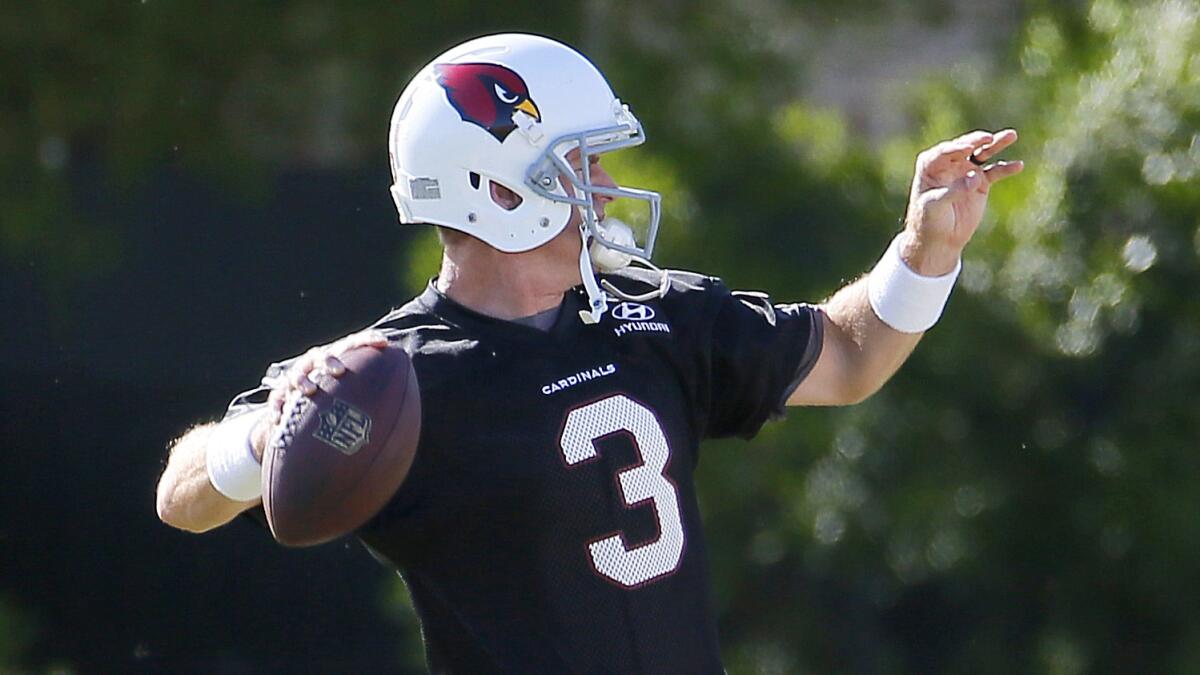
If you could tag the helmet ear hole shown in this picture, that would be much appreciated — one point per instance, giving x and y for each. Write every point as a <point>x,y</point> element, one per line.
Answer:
<point>503,196</point>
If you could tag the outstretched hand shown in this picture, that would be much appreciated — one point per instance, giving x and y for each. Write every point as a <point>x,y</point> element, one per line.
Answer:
<point>949,194</point>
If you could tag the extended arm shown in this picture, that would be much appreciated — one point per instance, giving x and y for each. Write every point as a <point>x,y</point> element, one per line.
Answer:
<point>949,193</point>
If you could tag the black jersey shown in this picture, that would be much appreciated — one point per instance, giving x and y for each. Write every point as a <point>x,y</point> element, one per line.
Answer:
<point>549,522</point>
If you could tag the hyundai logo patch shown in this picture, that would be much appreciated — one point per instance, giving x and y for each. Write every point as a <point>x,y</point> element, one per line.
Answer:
<point>632,311</point>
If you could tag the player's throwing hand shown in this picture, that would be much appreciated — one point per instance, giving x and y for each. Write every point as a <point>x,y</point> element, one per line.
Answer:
<point>301,378</point>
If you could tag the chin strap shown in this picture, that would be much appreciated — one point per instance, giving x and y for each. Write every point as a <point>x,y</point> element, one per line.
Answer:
<point>609,260</point>
<point>664,283</point>
<point>597,303</point>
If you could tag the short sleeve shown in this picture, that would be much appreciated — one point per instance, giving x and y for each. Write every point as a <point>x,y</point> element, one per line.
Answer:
<point>758,354</point>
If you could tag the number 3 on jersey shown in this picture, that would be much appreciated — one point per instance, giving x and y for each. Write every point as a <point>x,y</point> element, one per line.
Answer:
<point>611,556</point>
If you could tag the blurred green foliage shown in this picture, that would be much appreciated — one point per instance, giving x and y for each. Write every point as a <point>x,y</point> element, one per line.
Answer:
<point>1021,498</point>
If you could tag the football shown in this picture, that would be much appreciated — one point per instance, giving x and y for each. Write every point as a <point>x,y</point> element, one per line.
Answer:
<point>338,456</point>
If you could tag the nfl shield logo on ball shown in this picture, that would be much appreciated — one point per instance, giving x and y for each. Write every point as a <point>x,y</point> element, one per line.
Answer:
<point>344,427</point>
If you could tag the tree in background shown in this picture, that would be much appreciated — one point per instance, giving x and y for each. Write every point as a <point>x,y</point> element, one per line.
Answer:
<point>1019,499</point>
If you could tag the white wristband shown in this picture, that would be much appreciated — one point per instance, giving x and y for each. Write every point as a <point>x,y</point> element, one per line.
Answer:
<point>903,299</point>
<point>232,468</point>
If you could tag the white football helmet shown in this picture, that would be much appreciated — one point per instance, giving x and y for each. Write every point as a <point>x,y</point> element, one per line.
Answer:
<point>507,109</point>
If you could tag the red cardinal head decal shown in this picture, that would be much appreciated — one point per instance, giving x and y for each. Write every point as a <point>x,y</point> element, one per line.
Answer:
<point>487,95</point>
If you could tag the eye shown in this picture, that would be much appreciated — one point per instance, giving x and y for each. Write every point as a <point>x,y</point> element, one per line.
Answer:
<point>503,94</point>
<point>593,162</point>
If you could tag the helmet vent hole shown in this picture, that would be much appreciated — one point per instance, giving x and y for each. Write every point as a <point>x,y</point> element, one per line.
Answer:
<point>503,196</point>
<point>474,177</point>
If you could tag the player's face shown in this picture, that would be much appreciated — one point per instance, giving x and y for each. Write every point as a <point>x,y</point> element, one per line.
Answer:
<point>565,247</point>
<point>598,177</point>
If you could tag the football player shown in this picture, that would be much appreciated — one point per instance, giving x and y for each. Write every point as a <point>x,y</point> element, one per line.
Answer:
<point>549,522</point>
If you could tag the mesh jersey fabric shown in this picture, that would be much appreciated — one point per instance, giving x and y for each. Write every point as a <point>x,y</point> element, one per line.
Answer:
<point>549,522</point>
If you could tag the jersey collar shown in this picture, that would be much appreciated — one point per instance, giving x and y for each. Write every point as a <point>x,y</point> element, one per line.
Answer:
<point>440,304</point>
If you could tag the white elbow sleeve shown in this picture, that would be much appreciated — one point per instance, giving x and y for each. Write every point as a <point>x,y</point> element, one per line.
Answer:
<point>903,299</point>
<point>232,467</point>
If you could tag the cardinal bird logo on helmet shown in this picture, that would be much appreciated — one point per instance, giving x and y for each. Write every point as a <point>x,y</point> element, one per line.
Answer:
<point>487,95</point>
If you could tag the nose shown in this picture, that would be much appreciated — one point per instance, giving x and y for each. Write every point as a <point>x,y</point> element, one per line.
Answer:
<point>602,178</point>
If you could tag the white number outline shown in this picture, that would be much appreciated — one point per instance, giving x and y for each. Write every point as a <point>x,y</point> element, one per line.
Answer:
<point>610,555</point>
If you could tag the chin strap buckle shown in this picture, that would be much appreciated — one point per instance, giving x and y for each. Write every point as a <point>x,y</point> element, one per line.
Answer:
<point>597,302</point>
<point>598,291</point>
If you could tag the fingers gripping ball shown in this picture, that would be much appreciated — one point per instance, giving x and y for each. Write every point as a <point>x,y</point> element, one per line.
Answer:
<point>339,455</point>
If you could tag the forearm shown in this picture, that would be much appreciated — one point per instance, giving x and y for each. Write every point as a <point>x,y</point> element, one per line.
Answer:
<point>871,350</point>
<point>861,351</point>
<point>186,498</point>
